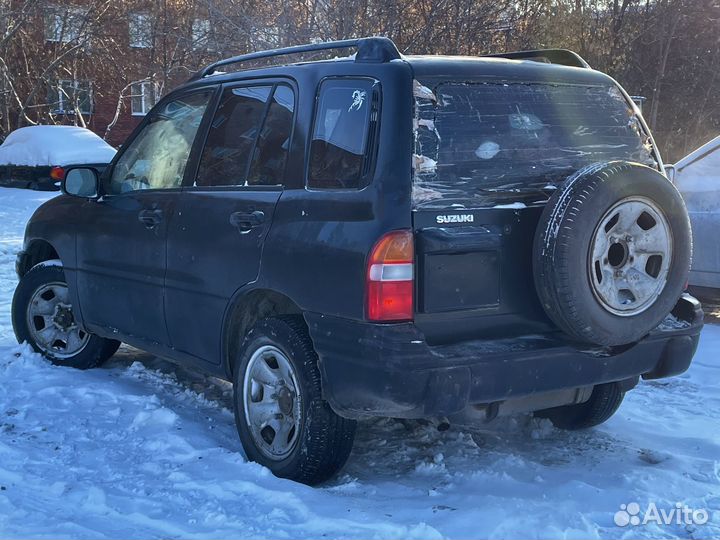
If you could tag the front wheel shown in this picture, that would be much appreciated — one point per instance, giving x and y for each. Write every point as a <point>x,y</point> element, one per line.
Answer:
<point>43,316</point>
<point>283,422</point>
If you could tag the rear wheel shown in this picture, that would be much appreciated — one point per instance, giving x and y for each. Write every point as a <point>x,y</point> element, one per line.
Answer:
<point>43,316</point>
<point>603,403</point>
<point>283,422</point>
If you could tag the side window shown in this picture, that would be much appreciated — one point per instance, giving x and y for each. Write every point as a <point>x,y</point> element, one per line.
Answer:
<point>157,157</point>
<point>339,154</point>
<point>268,165</point>
<point>232,136</point>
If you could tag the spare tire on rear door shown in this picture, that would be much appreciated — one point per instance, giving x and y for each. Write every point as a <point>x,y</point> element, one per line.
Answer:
<point>612,252</point>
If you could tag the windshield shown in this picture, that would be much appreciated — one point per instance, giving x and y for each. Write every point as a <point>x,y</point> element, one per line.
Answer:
<point>485,143</point>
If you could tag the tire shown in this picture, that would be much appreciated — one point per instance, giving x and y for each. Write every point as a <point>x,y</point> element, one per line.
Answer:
<point>606,290</point>
<point>320,441</point>
<point>604,401</point>
<point>94,349</point>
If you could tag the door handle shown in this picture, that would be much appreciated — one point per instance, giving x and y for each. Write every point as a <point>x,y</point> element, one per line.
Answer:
<point>150,218</point>
<point>244,221</point>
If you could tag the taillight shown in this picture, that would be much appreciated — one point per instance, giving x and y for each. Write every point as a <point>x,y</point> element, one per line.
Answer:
<point>57,173</point>
<point>389,280</point>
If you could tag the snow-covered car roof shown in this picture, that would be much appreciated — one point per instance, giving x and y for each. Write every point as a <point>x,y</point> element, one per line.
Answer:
<point>38,146</point>
<point>698,154</point>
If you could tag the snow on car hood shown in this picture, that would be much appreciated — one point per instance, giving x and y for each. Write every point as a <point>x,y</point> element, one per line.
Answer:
<point>54,145</point>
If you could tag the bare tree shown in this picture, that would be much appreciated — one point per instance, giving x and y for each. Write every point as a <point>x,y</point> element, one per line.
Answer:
<point>666,50</point>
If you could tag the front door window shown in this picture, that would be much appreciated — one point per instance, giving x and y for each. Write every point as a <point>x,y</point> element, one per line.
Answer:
<point>157,157</point>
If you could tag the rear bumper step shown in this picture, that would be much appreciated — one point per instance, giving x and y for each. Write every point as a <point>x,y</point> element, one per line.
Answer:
<point>389,369</point>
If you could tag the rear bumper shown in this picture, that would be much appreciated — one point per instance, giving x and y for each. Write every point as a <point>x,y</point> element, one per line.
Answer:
<point>389,370</point>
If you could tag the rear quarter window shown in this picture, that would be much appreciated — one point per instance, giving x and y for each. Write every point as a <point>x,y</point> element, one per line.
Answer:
<point>345,121</point>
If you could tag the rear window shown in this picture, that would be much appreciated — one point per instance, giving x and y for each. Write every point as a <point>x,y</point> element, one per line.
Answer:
<point>489,141</point>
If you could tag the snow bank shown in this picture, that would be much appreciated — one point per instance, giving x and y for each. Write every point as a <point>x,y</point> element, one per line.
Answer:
<point>54,145</point>
<point>143,449</point>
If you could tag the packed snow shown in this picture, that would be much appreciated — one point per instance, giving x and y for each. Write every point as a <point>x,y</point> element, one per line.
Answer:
<point>37,146</point>
<point>142,448</point>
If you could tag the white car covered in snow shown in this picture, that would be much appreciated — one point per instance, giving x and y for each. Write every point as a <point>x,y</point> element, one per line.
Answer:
<point>37,156</point>
<point>697,177</point>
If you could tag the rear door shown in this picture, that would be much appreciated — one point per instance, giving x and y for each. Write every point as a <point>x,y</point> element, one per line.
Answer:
<point>488,156</point>
<point>121,242</point>
<point>224,213</point>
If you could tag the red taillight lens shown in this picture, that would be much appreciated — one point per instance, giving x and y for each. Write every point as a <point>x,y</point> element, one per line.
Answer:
<point>389,279</point>
<point>57,173</point>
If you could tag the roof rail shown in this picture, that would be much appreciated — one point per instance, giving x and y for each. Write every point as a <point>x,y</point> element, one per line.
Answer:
<point>369,49</point>
<point>550,56</point>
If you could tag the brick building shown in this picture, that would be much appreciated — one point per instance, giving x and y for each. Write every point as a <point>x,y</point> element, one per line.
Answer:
<point>104,63</point>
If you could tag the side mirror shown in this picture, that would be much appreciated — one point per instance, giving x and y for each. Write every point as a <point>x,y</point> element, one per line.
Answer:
<point>81,182</point>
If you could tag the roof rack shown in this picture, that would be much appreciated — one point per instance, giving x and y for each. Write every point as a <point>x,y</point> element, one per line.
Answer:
<point>369,49</point>
<point>549,56</point>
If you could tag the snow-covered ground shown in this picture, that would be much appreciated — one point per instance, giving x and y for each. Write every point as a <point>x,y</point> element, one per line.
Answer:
<point>140,448</point>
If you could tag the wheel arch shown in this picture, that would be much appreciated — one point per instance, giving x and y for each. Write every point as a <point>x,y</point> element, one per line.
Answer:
<point>244,310</point>
<point>38,250</point>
